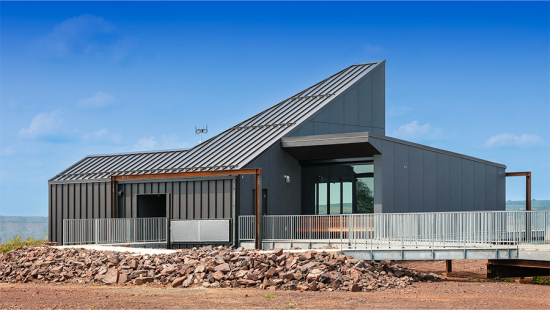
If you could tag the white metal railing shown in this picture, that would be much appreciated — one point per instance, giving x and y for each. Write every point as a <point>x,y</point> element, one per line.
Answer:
<point>433,229</point>
<point>114,231</point>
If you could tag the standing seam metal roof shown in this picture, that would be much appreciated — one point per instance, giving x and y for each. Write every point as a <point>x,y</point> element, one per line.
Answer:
<point>232,149</point>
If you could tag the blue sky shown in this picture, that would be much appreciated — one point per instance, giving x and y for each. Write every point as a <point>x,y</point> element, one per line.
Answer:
<point>80,78</point>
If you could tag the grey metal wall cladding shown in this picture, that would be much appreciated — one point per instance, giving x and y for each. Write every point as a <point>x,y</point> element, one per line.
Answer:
<point>76,201</point>
<point>360,108</point>
<point>202,199</point>
<point>209,199</point>
<point>282,197</point>
<point>436,182</point>
<point>240,145</point>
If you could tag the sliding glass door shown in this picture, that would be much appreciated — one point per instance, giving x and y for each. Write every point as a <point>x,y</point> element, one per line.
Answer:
<point>338,188</point>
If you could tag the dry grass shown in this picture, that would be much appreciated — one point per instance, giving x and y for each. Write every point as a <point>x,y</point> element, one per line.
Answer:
<point>16,242</point>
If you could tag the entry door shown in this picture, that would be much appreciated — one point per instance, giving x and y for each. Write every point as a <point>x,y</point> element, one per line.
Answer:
<point>151,205</point>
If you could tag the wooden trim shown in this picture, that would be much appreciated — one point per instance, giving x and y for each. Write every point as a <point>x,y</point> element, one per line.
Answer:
<point>518,174</point>
<point>527,176</point>
<point>187,174</point>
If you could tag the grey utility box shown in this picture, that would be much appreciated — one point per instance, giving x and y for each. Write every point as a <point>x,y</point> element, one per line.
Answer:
<point>199,230</point>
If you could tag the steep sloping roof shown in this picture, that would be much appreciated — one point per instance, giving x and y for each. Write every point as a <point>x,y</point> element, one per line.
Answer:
<point>235,147</point>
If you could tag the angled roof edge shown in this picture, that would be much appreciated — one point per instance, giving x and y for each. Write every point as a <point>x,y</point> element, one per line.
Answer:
<point>114,154</point>
<point>369,72</point>
<point>312,114</point>
<point>360,137</point>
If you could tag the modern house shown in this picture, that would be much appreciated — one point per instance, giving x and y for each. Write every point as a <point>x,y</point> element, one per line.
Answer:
<point>321,151</point>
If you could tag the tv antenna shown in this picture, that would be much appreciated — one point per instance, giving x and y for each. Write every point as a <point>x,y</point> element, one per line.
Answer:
<point>200,131</point>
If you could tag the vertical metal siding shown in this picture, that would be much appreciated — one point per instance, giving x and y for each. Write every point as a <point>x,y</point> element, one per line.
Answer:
<point>96,200</point>
<point>59,212</point>
<point>102,203</point>
<point>401,182</point>
<point>379,97</point>
<point>351,106</point>
<point>430,182</point>
<point>83,200</point>
<point>71,201</point>
<point>365,102</point>
<point>219,199</point>
<point>128,206</point>
<point>190,200</point>
<point>169,186</point>
<point>176,200</point>
<point>468,185</point>
<point>198,199</point>
<point>388,170</point>
<point>490,188</point>
<point>455,194</point>
<point>416,179</point>
<point>77,201</point>
<point>212,199</point>
<point>51,213</point>
<point>204,200</point>
<point>479,190</point>
<point>501,189</point>
<point>183,200</point>
<point>443,182</point>
<point>228,197</point>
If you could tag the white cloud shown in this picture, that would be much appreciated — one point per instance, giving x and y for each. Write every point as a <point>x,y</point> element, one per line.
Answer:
<point>85,35</point>
<point>373,48</point>
<point>99,100</point>
<point>95,134</point>
<point>395,111</point>
<point>43,124</point>
<point>164,143</point>
<point>508,139</point>
<point>146,143</point>
<point>414,130</point>
<point>116,138</point>
<point>8,151</point>
<point>103,134</point>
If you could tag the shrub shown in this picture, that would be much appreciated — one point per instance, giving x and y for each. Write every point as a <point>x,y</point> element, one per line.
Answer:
<point>16,242</point>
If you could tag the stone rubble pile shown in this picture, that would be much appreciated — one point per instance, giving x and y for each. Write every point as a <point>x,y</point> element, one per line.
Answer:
<point>207,267</point>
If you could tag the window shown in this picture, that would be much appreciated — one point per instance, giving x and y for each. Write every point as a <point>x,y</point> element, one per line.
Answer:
<point>338,188</point>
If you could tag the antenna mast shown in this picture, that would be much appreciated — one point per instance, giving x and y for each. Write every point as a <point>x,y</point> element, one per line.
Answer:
<point>200,131</point>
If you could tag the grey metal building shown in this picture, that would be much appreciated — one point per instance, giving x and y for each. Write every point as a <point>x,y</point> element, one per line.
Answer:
<point>321,151</point>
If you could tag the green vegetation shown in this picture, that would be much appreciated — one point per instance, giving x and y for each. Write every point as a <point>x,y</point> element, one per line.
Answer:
<point>365,198</point>
<point>269,296</point>
<point>23,226</point>
<point>539,280</point>
<point>17,242</point>
<point>509,280</point>
<point>536,205</point>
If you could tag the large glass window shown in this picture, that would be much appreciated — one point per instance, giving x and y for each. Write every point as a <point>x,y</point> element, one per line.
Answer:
<point>338,188</point>
<point>322,206</point>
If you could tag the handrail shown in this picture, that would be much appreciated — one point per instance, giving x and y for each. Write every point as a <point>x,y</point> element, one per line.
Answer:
<point>114,231</point>
<point>390,230</point>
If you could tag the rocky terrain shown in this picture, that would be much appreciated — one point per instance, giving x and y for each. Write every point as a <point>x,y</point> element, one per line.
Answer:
<point>217,267</point>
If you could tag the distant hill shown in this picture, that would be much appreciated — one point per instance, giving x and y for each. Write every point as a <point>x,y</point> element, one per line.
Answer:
<point>25,226</point>
<point>536,205</point>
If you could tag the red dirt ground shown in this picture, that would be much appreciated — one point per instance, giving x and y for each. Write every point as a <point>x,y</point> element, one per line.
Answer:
<point>461,291</point>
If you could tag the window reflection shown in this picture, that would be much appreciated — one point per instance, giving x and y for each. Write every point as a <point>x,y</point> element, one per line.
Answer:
<point>338,188</point>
